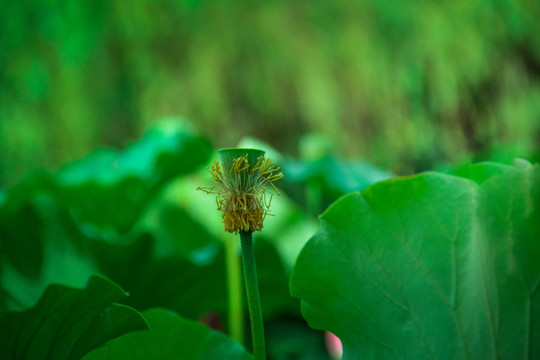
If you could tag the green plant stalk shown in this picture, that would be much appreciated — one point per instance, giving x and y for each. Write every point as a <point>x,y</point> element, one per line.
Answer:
<point>252,291</point>
<point>234,286</point>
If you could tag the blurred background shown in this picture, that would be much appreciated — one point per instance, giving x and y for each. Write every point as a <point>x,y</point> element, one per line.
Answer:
<point>340,94</point>
<point>406,85</point>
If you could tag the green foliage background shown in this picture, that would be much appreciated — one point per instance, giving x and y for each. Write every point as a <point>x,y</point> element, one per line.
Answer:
<point>405,84</point>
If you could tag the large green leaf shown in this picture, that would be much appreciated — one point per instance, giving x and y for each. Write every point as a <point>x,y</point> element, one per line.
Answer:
<point>48,245</point>
<point>326,178</point>
<point>172,282</point>
<point>273,282</point>
<point>39,241</point>
<point>67,323</point>
<point>337,175</point>
<point>110,189</point>
<point>429,267</point>
<point>176,231</point>
<point>290,338</point>
<point>479,172</point>
<point>171,337</point>
<point>21,239</point>
<point>21,227</point>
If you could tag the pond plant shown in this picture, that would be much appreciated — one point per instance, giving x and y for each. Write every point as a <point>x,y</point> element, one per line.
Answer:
<point>115,256</point>
<point>242,198</point>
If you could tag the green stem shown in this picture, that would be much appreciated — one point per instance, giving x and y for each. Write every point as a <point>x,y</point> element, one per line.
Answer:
<point>252,291</point>
<point>234,285</point>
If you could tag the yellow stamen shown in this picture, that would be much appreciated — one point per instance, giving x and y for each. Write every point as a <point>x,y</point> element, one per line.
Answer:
<point>241,196</point>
